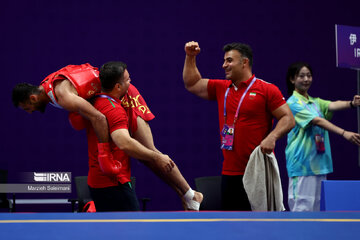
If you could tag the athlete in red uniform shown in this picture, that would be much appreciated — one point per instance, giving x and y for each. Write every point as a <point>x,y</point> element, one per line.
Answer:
<point>69,87</point>
<point>110,192</point>
<point>115,81</point>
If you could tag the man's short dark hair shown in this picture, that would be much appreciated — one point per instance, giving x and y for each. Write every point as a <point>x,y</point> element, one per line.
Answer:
<point>244,49</point>
<point>22,91</point>
<point>111,73</point>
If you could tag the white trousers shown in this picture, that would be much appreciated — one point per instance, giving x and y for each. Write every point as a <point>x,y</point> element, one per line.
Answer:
<point>304,193</point>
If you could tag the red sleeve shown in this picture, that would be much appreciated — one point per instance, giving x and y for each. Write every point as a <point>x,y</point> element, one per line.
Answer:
<point>216,86</point>
<point>211,88</point>
<point>275,97</point>
<point>136,105</point>
<point>117,118</point>
<point>115,114</point>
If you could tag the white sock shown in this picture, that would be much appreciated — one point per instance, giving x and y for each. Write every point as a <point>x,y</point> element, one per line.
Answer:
<point>190,203</point>
<point>189,195</point>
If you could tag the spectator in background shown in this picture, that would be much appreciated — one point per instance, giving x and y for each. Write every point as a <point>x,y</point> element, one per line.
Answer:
<point>308,153</point>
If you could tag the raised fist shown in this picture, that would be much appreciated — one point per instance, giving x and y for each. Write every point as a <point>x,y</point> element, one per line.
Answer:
<point>192,48</point>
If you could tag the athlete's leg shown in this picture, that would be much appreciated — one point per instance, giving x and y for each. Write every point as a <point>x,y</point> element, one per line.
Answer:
<point>173,178</point>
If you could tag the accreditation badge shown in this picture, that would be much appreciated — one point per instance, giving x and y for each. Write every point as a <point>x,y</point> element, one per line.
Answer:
<point>319,141</point>
<point>227,137</point>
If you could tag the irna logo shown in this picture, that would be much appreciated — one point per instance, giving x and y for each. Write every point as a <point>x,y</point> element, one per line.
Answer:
<point>52,177</point>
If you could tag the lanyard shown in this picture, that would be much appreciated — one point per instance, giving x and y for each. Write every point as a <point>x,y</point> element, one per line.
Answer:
<point>106,96</point>
<point>313,104</point>
<point>109,98</point>
<point>240,102</point>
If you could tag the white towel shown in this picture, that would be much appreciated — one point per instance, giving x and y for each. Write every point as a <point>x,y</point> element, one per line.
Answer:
<point>262,182</point>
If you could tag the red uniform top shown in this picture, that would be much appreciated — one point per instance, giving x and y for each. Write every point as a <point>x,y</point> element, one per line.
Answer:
<point>85,79</point>
<point>254,121</point>
<point>135,106</point>
<point>117,119</point>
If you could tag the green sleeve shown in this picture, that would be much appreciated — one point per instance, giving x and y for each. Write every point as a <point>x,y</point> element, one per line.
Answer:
<point>324,108</point>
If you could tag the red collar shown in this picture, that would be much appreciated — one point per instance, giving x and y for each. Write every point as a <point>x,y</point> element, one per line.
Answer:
<point>245,83</point>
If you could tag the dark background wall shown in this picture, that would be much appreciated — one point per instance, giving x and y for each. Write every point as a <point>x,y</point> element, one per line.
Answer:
<point>39,37</point>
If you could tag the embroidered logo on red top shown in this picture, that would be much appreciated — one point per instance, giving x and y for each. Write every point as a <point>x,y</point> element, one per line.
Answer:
<point>252,95</point>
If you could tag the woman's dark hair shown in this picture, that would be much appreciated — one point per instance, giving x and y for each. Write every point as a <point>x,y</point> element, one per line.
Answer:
<point>292,72</point>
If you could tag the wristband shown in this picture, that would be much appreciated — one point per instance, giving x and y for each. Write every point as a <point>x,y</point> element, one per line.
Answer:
<point>352,105</point>
<point>343,133</point>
